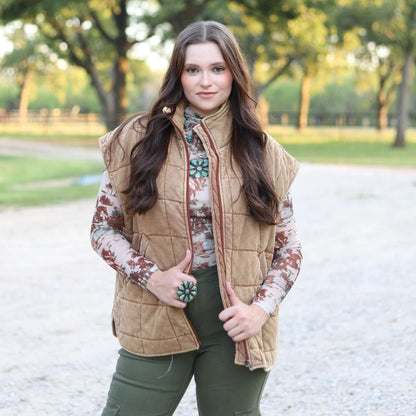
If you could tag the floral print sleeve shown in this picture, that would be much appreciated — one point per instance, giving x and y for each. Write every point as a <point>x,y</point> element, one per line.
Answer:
<point>108,241</point>
<point>286,260</point>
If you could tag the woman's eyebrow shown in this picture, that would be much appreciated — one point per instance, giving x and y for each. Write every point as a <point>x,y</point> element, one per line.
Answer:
<point>211,64</point>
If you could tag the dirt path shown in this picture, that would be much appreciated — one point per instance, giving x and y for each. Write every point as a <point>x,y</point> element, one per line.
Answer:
<point>348,328</point>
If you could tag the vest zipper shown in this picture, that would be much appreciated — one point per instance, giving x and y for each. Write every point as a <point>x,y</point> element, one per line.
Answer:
<point>187,189</point>
<point>247,362</point>
<point>188,213</point>
<point>188,217</point>
<point>217,179</point>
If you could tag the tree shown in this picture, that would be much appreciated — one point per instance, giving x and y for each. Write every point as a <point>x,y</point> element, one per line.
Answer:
<point>388,72</point>
<point>90,36</point>
<point>28,57</point>
<point>273,34</point>
<point>259,25</point>
<point>392,25</point>
<point>376,55</point>
<point>309,33</point>
<point>406,20</point>
<point>98,38</point>
<point>279,36</point>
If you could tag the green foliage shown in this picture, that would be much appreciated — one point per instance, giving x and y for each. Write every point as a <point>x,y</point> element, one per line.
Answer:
<point>16,9</point>
<point>283,95</point>
<point>8,92</point>
<point>44,97</point>
<point>143,86</point>
<point>337,95</point>
<point>86,99</point>
<point>288,37</point>
<point>343,97</point>
<point>91,36</point>
<point>68,87</point>
<point>28,58</point>
<point>272,33</point>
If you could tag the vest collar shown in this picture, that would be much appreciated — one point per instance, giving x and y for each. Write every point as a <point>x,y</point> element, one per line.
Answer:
<point>218,125</point>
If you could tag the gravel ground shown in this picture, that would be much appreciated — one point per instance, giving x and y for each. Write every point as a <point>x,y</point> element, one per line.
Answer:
<point>348,327</point>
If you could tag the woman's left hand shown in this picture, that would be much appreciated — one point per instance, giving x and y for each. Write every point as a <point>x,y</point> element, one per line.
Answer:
<point>241,320</point>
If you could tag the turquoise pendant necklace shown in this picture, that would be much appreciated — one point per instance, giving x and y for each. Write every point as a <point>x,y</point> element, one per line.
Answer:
<point>199,168</point>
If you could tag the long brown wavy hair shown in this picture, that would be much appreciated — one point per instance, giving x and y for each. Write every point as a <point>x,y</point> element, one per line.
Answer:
<point>248,139</point>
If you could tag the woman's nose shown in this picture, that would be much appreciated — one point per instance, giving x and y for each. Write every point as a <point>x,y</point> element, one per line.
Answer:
<point>205,78</point>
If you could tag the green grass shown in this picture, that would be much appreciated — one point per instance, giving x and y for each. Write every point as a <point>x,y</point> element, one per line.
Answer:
<point>28,181</point>
<point>353,153</point>
<point>85,140</point>
<point>36,197</point>
<point>24,181</point>
<point>347,146</point>
<point>62,132</point>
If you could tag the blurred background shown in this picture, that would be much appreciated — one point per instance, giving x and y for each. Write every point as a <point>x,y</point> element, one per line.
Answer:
<point>334,78</point>
<point>335,86</point>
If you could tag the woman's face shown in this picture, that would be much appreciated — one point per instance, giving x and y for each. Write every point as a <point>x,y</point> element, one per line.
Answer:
<point>206,78</point>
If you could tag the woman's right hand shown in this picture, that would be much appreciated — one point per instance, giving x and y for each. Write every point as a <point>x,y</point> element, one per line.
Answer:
<point>164,284</point>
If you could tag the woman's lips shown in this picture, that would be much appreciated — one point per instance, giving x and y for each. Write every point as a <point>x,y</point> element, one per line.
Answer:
<point>206,94</point>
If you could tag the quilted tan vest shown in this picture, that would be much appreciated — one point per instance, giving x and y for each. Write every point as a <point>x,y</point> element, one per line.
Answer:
<point>244,248</point>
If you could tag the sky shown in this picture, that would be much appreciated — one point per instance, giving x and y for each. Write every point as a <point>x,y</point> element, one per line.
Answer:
<point>5,45</point>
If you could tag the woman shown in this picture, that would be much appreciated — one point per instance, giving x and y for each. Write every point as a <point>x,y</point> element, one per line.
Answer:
<point>194,215</point>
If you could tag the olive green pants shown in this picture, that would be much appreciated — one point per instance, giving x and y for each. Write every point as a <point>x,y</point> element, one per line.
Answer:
<point>154,386</point>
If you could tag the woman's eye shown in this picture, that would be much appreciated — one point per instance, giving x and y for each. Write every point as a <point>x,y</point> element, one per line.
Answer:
<point>191,70</point>
<point>219,69</point>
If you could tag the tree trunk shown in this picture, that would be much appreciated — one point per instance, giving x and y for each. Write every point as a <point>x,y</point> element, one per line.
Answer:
<point>386,93</point>
<point>113,100</point>
<point>382,108</point>
<point>304,102</point>
<point>121,66</point>
<point>403,100</point>
<point>120,87</point>
<point>263,111</point>
<point>105,98</point>
<point>114,103</point>
<point>24,96</point>
<point>382,113</point>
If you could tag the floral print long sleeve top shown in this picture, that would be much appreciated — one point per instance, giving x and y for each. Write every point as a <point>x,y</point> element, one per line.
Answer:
<point>286,262</point>
<point>108,241</point>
